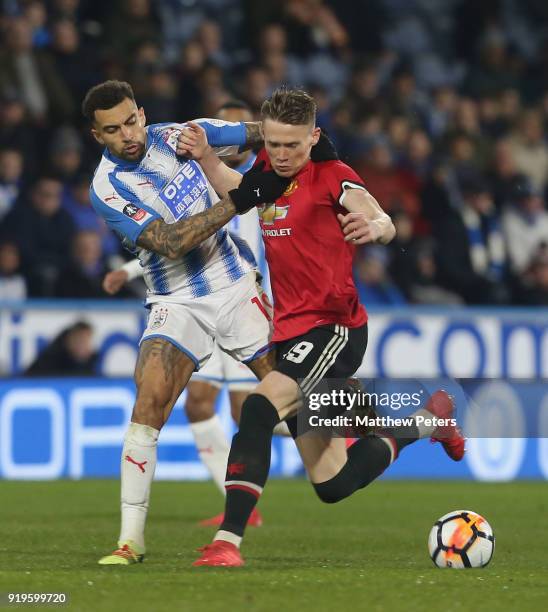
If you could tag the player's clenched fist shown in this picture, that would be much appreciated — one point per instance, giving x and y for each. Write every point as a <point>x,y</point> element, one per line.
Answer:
<point>358,229</point>
<point>192,141</point>
<point>258,187</point>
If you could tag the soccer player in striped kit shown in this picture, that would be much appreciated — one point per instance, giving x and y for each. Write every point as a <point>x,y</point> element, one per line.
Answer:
<point>221,368</point>
<point>200,290</point>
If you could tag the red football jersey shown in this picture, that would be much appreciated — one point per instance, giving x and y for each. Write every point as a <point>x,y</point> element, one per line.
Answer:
<point>310,263</point>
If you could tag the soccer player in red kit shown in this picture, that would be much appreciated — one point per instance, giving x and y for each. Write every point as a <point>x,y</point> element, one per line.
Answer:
<point>320,328</point>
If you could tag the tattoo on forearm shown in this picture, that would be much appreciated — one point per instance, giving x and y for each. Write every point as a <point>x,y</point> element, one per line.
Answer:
<point>253,135</point>
<point>174,240</point>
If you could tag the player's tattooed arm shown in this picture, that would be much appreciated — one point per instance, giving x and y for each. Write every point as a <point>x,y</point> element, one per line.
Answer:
<point>173,240</point>
<point>191,142</point>
<point>366,221</point>
<point>253,135</point>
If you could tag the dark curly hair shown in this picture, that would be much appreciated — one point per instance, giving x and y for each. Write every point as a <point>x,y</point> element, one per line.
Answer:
<point>104,96</point>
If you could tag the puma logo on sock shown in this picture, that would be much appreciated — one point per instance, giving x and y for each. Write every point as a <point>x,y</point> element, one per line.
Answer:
<point>139,465</point>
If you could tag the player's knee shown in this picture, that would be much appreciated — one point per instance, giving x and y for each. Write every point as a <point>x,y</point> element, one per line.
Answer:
<point>198,408</point>
<point>337,488</point>
<point>150,408</point>
<point>200,401</point>
<point>199,412</point>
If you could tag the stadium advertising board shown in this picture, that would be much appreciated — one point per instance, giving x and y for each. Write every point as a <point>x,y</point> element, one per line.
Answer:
<point>74,429</point>
<point>460,343</point>
<point>61,428</point>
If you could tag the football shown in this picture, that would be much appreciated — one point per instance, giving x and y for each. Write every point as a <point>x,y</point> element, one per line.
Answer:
<point>461,539</point>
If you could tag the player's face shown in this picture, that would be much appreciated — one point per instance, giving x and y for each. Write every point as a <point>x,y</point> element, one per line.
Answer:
<point>235,115</point>
<point>122,130</point>
<point>288,146</point>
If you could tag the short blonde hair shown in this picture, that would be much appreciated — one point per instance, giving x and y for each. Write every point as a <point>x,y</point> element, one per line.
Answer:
<point>291,106</point>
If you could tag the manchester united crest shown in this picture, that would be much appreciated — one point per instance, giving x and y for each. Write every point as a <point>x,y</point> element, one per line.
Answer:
<point>292,188</point>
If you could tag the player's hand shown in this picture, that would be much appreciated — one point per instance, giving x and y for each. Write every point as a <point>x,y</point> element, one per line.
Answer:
<point>114,281</point>
<point>324,150</point>
<point>192,141</point>
<point>258,187</point>
<point>358,229</point>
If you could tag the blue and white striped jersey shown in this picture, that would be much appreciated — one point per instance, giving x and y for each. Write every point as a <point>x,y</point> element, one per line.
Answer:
<point>245,230</point>
<point>130,195</point>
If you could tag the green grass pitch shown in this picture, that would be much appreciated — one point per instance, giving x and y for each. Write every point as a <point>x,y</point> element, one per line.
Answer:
<point>366,553</point>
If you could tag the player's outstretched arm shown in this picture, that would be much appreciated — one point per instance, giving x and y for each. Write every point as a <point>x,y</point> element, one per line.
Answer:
<point>204,140</point>
<point>366,221</point>
<point>173,240</point>
<point>226,137</point>
<point>192,142</point>
<point>253,135</point>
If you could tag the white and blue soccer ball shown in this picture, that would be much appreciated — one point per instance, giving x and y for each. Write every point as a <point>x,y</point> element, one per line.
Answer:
<point>461,539</point>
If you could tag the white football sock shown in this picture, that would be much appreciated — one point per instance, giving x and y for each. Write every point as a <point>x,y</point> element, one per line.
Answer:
<point>137,472</point>
<point>213,448</point>
<point>228,536</point>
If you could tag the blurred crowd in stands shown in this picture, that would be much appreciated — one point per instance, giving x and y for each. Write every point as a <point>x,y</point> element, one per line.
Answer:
<point>440,105</point>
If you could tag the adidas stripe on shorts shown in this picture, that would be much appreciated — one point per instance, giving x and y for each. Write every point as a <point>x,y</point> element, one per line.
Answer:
<point>330,351</point>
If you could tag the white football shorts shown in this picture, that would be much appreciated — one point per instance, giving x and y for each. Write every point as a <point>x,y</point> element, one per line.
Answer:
<point>237,318</point>
<point>222,368</point>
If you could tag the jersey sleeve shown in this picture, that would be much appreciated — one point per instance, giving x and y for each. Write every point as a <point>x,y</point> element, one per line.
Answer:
<point>133,269</point>
<point>225,137</point>
<point>340,179</point>
<point>122,211</point>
